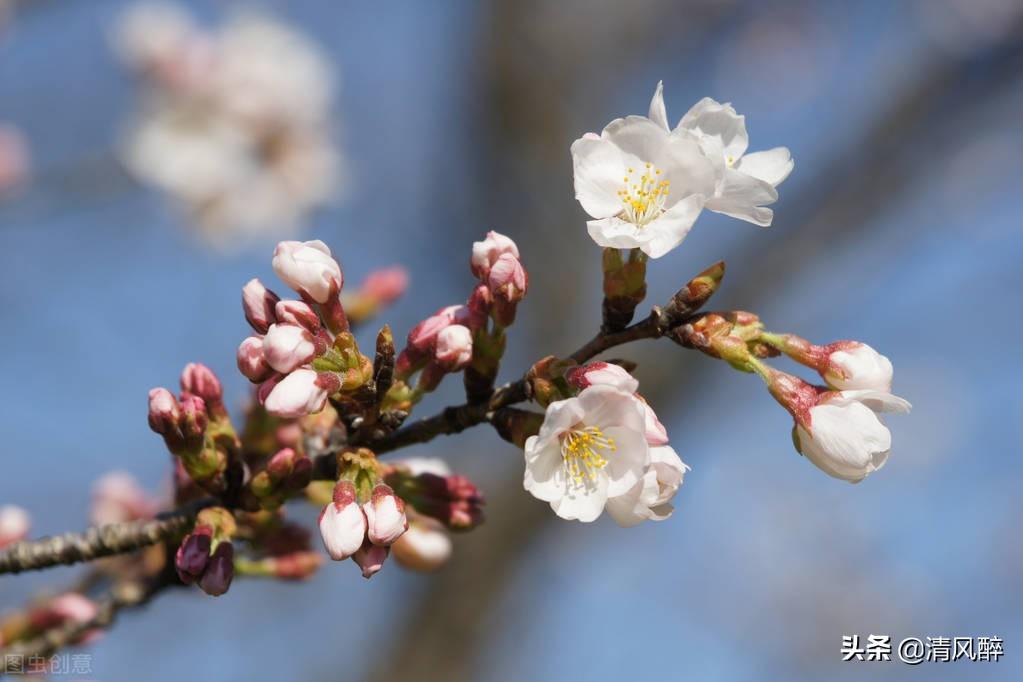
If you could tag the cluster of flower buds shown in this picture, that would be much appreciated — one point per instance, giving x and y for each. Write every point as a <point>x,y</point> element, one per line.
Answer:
<point>302,351</point>
<point>600,446</point>
<point>14,524</point>
<point>206,555</point>
<point>364,517</point>
<point>837,426</point>
<point>467,337</point>
<point>451,499</point>
<point>196,428</point>
<point>286,473</point>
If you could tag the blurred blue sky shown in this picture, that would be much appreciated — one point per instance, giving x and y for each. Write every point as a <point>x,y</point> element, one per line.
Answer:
<point>767,562</point>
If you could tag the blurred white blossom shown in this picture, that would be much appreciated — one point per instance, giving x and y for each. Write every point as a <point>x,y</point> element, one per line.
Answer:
<point>235,123</point>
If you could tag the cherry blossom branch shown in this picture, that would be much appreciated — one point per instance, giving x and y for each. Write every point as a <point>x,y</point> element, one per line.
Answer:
<point>121,596</point>
<point>98,542</point>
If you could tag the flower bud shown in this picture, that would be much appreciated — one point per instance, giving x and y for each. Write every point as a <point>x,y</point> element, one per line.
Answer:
<point>487,252</point>
<point>342,523</point>
<point>14,525</point>
<point>454,347</point>
<point>258,303</point>
<point>384,286</point>
<point>287,347</point>
<point>300,393</point>
<point>603,373</point>
<point>216,579</point>
<point>424,335</point>
<point>424,547</point>
<point>164,412</point>
<point>851,365</point>
<point>199,380</point>
<point>194,418</point>
<point>385,516</point>
<point>296,565</point>
<point>298,313</point>
<point>251,362</point>
<point>308,268</point>
<point>508,279</point>
<point>194,554</point>
<point>370,558</point>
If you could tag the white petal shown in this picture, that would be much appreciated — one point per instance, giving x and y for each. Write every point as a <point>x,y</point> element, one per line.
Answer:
<point>878,401</point>
<point>668,231</point>
<point>614,233</point>
<point>599,168</point>
<point>626,465</point>
<point>583,504</point>
<point>771,166</point>
<point>561,416</point>
<point>544,476</point>
<point>658,114</point>
<point>629,509</point>
<point>638,137</point>
<point>845,441</point>
<point>709,118</point>
<point>742,196</point>
<point>606,406</point>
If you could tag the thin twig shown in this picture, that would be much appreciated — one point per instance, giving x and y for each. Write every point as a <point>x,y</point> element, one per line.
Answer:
<point>101,541</point>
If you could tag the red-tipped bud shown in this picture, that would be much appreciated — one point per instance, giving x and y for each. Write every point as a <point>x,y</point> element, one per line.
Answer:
<point>385,516</point>
<point>297,313</point>
<point>164,412</point>
<point>199,380</point>
<point>287,347</point>
<point>194,418</point>
<point>342,523</point>
<point>258,303</point>
<point>251,362</point>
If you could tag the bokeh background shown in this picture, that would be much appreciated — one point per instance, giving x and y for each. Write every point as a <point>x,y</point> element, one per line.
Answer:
<point>899,226</point>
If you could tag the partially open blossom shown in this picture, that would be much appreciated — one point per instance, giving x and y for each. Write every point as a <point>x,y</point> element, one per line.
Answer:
<point>453,350</point>
<point>287,347</point>
<point>841,432</point>
<point>643,185</point>
<point>198,379</point>
<point>14,524</point>
<point>487,252</point>
<point>300,393</point>
<point>260,305</point>
<point>117,497</point>
<point>745,182</point>
<point>342,523</point>
<point>385,516</point>
<point>851,365</point>
<point>425,546</point>
<point>590,448</point>
<point>251,361</point>
<point>308,268</point>
<point>610,374</point>
<point>650,499</point>
<point>370,558</point>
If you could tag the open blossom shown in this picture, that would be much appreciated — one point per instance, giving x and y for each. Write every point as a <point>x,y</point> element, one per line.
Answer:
<point>745,182</point>
<point>342,523</point>
<point>643,185</point>
<point>851,365</point>
<point>14,524</point>
<point>590,448</point>
<point>287,347</point>
<point>308,268</point>
<point>610,374</point>
<point>300,393</point>
<point>650,499</point>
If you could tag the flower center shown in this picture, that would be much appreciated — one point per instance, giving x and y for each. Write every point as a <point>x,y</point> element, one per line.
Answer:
<point>643,196</point>
<point>583,450</point>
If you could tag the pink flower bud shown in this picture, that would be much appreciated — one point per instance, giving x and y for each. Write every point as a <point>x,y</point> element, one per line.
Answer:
<point>385,286</point>
<point>308,268</point>
<point>298,313</point>
<point>478,306</point>
<point>194,418</point>
<point>424,547</point>
<point>385,516</point>
<point>508,279</point>
<point>259,303</point>
<point>488,251</point>
<point>118,498</point>
<point>343,523</point>
<point>454,347</point>
<point>14,524</point>
<point>296,395</point>
<point>370,558</point>
<point>164,411</point>
<point>423,336</point>
<point>198,379</point>
<point>251,362</point>
<point>287,347</point>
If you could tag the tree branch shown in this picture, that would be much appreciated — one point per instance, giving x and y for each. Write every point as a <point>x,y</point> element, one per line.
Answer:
<point>101,541</point>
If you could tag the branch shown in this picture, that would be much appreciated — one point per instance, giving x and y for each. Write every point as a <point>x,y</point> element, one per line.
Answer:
<point>101,541</point>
